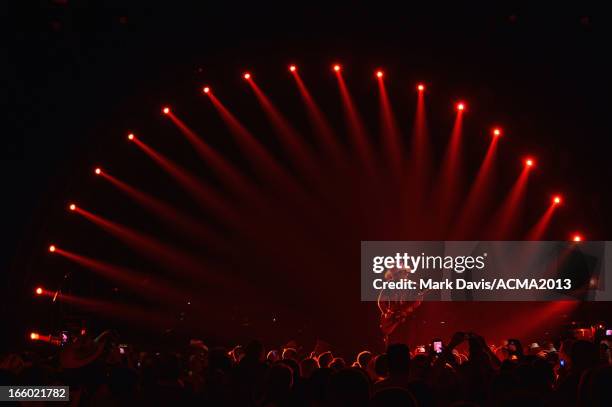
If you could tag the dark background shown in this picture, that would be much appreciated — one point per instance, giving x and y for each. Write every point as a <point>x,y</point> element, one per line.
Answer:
<point>78,75</point>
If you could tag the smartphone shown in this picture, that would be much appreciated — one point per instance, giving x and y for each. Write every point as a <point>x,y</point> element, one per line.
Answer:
<point>608,332</point>
<point>437,346</point>
<point>122,349</point>
<point>562,362</point>
<point>64,337</point>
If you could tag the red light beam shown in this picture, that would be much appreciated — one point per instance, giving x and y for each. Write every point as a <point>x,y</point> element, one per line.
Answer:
<point>140,283</point>
<point>35,336</point>
<point>391,137</point>
<point>322,127</point>
<point>262,161</point>
<point>223,167</point>
<point>477,196</point>
<point>356,127</point>
<point>291,140</point>
<point>170,257</point>
<point>130,313</point>
<point>205,195</point>
<point>420,160</point>
<point>538,230</point>
<point>450,178</point>
<point>167,213</point>
<point>510,207</point>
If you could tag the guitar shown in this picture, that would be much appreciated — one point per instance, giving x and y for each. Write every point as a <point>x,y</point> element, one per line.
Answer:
<point>395,311</point>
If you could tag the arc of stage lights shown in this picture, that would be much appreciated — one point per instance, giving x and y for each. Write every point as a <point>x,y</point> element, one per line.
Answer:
<point>460,107</point>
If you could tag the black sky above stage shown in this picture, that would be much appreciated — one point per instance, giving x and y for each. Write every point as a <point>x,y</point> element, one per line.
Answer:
<point>81,77</point>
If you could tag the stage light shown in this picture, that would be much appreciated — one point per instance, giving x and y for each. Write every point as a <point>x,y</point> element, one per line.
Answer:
<point>379,74</point>
<point>206,89</point>
<point>166,110</point>
<point>292,68</point>
<point>131,136</point>
<point>72,207</point>
<point>529,162</point>
<point>497,132</point>
<point>98,171</point>
<point>52,248</point>
<point>38,290</point>
<point>34,336</point>
<point>420,87</point>
<point>577,237</point>
<point>556,200</point>
<point>246,75</point>
<point>337,68</point>
<point>460,106</point>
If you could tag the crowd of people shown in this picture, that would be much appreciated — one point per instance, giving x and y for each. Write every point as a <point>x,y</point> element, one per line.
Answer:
<point>466,371</point>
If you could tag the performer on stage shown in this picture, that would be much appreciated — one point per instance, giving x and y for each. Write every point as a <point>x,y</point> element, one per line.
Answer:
<point>396,308</point>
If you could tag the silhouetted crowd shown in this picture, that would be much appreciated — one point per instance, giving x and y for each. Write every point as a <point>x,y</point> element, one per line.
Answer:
<point>466,371</point>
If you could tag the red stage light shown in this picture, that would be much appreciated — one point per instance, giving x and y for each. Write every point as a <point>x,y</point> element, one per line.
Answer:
<point>497,132</point>
<point>131,136</point>
<point>420,87</point>
<point>34,336</point>
<point>166,110</point>
<point>206,89</point>
<point>246,75</point>
<point>337,68</point>
<point>52,248</point>
<point>577,238</point>
<point>379,74</point>
<point>98,171</point>
<point>557,200</point>
<point>529,162</point>
<point>72,207</point>
<point>38,290</point>
<point>292,68</point>
<point>460,106</point>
